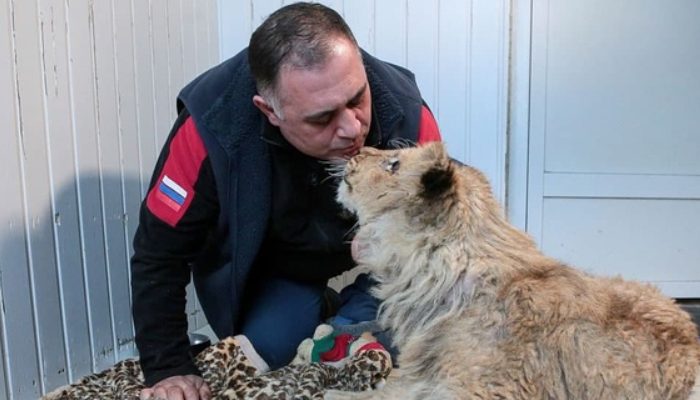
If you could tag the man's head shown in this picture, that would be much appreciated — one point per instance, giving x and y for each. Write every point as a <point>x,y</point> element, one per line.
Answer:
<point>311,81</point>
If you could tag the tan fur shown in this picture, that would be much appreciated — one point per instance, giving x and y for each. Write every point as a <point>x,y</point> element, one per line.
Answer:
<point>480,313</point>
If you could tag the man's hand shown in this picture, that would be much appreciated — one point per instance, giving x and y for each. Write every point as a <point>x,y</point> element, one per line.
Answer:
<point>187,387</point>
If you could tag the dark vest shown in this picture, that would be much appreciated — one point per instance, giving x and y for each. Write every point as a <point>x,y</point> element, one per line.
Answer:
<point>220,103</point>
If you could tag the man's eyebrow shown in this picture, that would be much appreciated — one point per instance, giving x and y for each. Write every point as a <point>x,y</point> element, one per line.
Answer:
<point>324,113</point>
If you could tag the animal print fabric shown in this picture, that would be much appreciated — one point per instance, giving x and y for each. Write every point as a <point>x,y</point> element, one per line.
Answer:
<point>230,375</point>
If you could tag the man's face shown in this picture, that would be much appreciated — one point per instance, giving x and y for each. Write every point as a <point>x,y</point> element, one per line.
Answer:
<point>325,111</point>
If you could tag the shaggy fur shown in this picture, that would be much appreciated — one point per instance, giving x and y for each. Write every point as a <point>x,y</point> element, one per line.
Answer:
<point>479,313</point>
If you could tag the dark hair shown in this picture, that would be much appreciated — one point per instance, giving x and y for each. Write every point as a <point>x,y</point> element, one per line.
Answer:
<point>298,35</point>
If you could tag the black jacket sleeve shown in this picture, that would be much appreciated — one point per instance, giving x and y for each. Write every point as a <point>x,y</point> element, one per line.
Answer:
<point>164,249</point>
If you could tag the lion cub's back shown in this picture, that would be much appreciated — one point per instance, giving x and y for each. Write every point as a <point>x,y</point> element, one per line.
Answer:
<point>601,330</point>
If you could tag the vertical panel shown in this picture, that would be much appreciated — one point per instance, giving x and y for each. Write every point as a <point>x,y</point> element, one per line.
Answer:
<point>145,100</point>
<point>43,269</point>
<point>161,68</point>
<point>390,30</point>
<point>261,9</point>
<point>112,201</point>
<point>337,5</point>
<point>519,113</point>
<point>189,39</point>
<point>359,14</point>
<point>453,110</point>
<point>21,366</point>
<point>488,90</point>
<point>538,103</point>
<point>623,89</point>
<point>235,24</point>
<point>422,47</point>
<point>214,32</point>
<point>130,164</point>
<point>83,85</point>
<point>177,61</point>
<point>10,212</point>
<point>127,111</point>
<point>201,35</point>
<point>65,199</point>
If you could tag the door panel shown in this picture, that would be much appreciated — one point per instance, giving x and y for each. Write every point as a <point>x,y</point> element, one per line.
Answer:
<point>614,138</point>
<point>648,239</point>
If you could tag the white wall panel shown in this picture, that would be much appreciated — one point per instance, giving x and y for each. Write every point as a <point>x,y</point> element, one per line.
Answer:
<point>360,15</point>
<point>452,109</point>
<point>43,273</point>
<point>390,30</point>
<point>88,93</point>
<point>19,344</point>
<point>64,202</point>
<point>422,47</point>
<point>111,153</point>
<point>87,164</point>
<point>145,89</point>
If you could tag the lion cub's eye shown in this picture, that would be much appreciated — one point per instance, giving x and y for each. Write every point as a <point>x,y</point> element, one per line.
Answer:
<point>392,164</point>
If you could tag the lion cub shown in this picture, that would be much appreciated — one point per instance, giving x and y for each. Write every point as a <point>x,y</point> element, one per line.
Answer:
<point>478,312</point>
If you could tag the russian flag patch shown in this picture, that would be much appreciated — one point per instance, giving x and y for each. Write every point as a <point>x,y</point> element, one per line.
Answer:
<point>170,193</point>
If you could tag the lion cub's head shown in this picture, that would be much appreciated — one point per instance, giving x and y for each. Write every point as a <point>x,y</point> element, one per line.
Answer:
<point>376,182</point>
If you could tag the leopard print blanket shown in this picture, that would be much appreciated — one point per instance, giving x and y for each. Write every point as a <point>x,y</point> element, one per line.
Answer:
<point>230,375</point>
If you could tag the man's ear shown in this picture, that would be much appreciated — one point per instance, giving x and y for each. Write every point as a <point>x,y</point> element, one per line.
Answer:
<point>266,109</point>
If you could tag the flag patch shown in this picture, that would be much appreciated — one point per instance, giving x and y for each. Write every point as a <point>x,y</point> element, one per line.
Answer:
<point>170,193</point>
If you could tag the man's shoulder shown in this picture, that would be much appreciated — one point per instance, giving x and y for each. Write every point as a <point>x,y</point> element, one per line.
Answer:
<point>230,81</point>
<point>398,80</point>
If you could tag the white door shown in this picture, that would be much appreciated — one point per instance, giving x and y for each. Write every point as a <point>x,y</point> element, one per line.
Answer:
<point>614,137</point>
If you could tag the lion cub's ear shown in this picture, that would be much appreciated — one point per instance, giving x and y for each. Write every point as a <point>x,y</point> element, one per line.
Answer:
<point>439,177</point>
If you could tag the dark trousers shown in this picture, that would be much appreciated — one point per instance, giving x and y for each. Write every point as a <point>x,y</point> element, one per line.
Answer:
<point>280,313</point>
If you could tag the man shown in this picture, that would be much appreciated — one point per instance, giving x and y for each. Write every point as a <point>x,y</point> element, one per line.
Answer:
<point>241,198</point>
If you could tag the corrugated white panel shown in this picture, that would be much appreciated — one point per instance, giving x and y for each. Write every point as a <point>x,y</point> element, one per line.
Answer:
<point>59,132</point>
<point>20,365</point>
<point>88,93</point>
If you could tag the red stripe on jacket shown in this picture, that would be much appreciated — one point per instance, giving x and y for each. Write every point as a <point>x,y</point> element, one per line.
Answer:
<point>185,157</point>
<point>428,130</point>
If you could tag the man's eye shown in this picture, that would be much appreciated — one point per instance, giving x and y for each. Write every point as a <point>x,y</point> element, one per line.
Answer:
<point>321,121</point>
<point>356,101</point>
<point>392,165</point>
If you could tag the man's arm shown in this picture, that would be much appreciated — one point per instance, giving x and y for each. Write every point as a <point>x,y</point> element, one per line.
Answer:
<point>176,217</point>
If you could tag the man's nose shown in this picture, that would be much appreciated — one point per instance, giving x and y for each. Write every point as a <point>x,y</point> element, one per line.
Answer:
<point>348,125</point>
